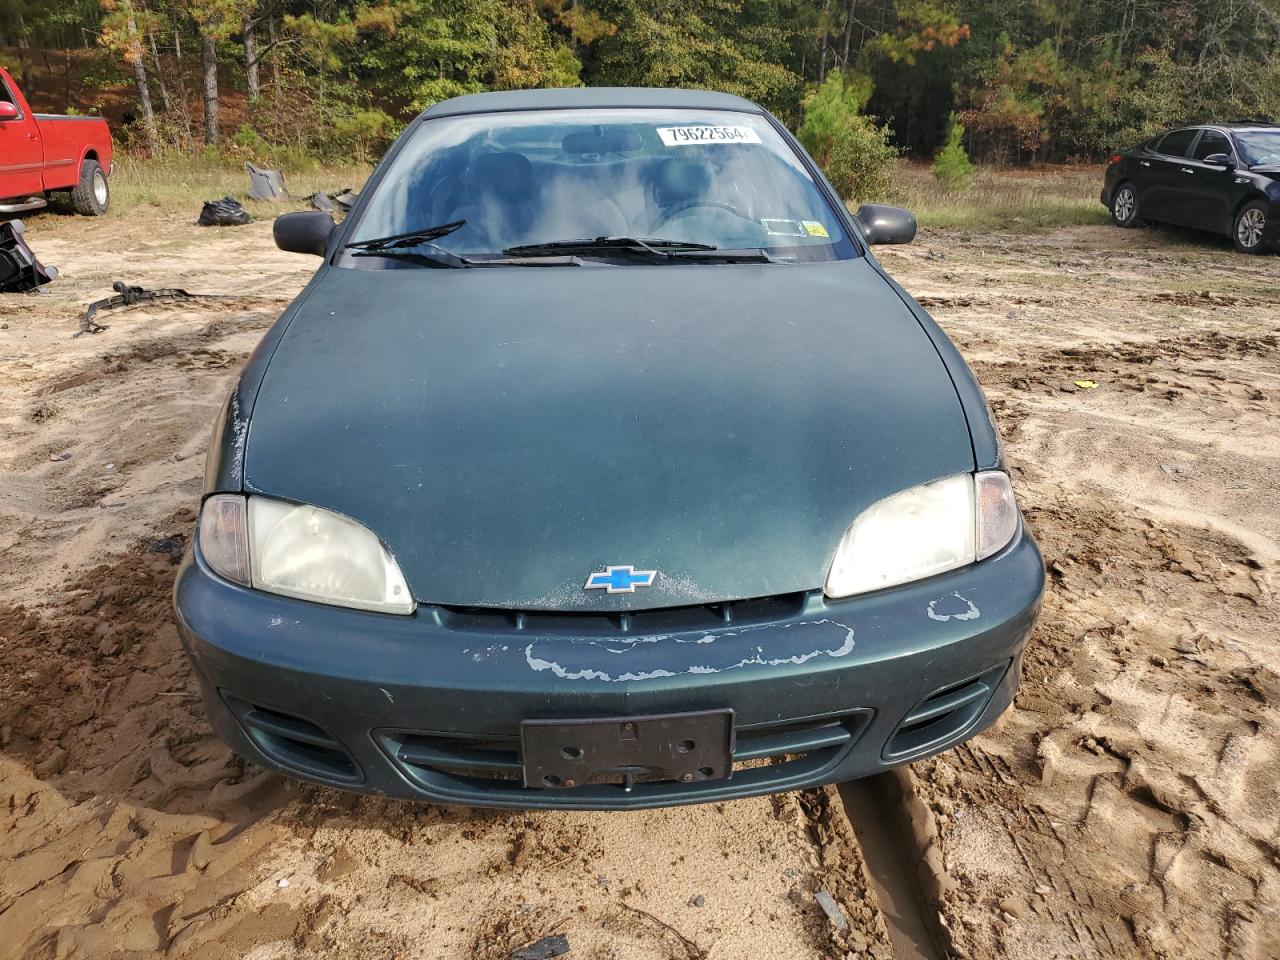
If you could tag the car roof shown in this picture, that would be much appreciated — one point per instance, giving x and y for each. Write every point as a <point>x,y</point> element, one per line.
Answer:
<point>567,98</point>
<point>1235,125</point>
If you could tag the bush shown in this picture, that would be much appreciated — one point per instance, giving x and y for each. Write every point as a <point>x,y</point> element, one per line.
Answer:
<point>861,161</point>
<point>248,144</point>
<point>852,150</point>
<point>361,133</point>
<point>952,166</point>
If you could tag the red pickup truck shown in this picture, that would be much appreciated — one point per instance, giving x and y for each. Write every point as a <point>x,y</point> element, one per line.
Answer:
<point>40,154</point>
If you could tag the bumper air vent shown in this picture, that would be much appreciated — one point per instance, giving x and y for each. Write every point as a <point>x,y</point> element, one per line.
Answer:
<point>295,742</point>
<point>762,754</point>
<point>943,716</point>
<point>664,620</point>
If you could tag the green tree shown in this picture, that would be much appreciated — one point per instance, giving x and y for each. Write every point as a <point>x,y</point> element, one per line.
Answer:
<point>852,150</point>
<point>952,167</point>
<point>746,47</point>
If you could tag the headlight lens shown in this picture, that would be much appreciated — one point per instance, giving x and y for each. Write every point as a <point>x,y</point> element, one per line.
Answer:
<point>224,536</point>
<point>305,552</point>
<point>997,512</point>
<point>923,531</point>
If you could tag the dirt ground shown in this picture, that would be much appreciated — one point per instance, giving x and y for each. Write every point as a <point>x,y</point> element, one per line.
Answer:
<point>1128,806</point>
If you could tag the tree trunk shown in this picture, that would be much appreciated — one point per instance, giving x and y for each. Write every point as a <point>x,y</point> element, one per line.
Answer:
<point>275,68</point>
<point>159,71</point>
<point>210,55</point>
<point>250,41</point>
<point>144,89</point>
<point>182,83</point>
<point>24,60</point>
<point>822,48</point>
<point>848,35</point>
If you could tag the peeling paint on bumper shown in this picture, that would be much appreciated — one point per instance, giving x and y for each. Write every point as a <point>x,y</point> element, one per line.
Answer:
<point>355,673</point>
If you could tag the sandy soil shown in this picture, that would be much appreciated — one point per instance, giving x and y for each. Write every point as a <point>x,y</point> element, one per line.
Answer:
<point>1129,805</point>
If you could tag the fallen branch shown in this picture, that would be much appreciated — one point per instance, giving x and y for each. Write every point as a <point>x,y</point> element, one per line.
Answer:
<point>694,951</point>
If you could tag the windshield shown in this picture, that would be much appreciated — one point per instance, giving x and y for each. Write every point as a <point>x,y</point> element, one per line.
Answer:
<point>1259,147</point>
<point>717,178</point>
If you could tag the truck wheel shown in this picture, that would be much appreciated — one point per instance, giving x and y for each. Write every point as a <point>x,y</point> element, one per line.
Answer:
<point>91,195</point>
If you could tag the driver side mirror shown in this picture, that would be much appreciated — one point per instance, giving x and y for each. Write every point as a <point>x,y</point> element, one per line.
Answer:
<point>306,232</point>
<point>1220,160</point>
<point>885,224</point>
<point>8,111</point>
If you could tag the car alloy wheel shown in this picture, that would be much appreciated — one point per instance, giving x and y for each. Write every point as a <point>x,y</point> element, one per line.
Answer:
<point>1125,203</point>
<point>1249,228</point>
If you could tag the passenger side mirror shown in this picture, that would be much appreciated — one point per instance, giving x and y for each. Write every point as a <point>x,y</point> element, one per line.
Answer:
<point>884,224</point>
<point>1220,160</point>
<point>306,232</point>
<point>8,111</point>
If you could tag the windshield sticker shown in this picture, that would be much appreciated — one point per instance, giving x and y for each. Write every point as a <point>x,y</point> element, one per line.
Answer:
<point>814,229</point>
<point>782,228</point>
<point>685,136</point>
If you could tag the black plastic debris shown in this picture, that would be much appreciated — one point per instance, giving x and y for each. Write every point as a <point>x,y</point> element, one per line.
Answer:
<point>172,545</point>
<point>321,202</point>
<point>19,269</point>
<point>346,199</point>
<point>223,213</point>
<point>556,945</point>
<point>265,184</point>
<point>130,296</point>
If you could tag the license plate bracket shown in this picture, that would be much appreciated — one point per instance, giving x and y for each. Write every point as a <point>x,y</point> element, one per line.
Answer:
<point>685,747</point>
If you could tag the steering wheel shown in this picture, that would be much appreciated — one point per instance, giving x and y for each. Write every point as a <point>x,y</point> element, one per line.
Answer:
<point>672,212</point>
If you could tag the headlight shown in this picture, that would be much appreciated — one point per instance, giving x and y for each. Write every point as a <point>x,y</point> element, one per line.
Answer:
<point>923,531</point>
<point>301,551</point>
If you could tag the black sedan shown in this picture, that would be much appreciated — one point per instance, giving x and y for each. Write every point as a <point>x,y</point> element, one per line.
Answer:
<point>1223,178</point>
<point>602,465</point>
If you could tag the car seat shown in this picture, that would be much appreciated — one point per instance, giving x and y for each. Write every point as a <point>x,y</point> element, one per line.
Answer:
<point>502,198</point>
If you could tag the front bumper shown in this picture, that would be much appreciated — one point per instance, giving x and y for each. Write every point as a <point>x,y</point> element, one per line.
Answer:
<point>429,706</point>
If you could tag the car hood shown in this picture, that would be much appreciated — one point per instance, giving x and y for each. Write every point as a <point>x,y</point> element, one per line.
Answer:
<point>509,431</point>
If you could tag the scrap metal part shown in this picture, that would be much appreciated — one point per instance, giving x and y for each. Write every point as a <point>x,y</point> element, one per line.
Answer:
<point>19,269</point>
<point>130,296</point>
<point>324,202</point>
<point>556,945</point>
<point>265,184</point>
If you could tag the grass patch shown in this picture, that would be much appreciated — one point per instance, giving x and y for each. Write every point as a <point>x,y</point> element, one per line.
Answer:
<point>1002,199</point>
<point>181,185</point>
<point>995,199</point>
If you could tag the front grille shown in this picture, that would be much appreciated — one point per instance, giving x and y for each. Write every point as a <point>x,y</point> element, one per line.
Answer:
<point>762,754</point>
<point>592,624</point>
<point>943,715</point>
<point>294,742</point>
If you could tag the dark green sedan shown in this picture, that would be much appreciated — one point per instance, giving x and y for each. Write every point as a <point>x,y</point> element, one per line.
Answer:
<point>602,465</point>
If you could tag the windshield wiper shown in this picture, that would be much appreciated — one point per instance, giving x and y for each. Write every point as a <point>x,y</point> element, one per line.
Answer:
<point>413,238</point>
<point>662,249</point>
<point>666,251</point>
<point>431,256</point>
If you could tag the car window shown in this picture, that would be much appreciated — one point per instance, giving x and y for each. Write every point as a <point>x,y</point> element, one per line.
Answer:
<point>1211,142</point>
<point>1259,147</point>
<point>5,95</point>
<point>722,178</point>
<point>1177,143</point>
